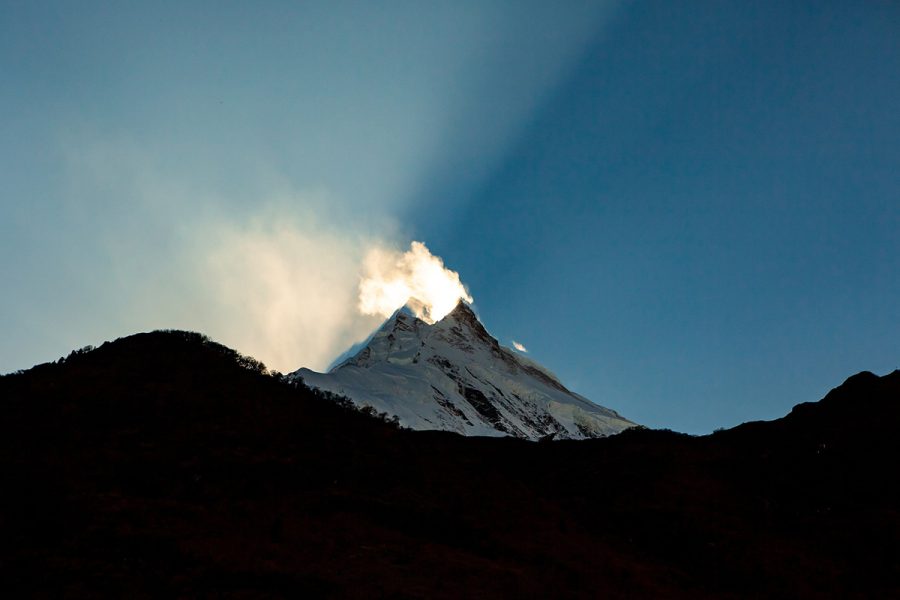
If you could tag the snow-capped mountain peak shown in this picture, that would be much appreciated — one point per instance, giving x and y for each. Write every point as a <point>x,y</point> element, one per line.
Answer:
<point>454,375</point>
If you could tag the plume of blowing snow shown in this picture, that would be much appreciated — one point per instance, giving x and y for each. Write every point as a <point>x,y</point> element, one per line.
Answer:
<point>518,346</point>
<point>416,278</point>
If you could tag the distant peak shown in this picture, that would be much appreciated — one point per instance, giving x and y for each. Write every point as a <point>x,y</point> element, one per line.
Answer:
<point>404,318</point>
<point>464,319</point>
<point>404,312</point>
<point>462,312</point>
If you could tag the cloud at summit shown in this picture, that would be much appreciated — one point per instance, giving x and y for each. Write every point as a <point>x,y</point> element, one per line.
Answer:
<point>415,278</point>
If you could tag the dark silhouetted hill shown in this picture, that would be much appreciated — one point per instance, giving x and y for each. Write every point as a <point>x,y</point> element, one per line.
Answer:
<point>164,464</point>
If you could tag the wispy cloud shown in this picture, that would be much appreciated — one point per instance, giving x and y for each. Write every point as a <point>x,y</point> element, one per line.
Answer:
<point>284,291</point>
<point>246,206</point>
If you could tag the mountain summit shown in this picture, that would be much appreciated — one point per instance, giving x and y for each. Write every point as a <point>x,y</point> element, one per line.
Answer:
<point>453,375</point>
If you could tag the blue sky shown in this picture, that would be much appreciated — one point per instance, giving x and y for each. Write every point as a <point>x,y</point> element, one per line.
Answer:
<point>689,211</point>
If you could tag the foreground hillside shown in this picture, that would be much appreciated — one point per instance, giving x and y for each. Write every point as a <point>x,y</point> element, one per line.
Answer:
<point>163,464</point>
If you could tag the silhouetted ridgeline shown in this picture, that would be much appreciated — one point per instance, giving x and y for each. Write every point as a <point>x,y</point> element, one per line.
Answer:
<point>166,464</point>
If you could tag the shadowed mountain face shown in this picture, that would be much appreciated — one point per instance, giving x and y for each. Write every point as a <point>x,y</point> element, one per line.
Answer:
<point>164,464</point>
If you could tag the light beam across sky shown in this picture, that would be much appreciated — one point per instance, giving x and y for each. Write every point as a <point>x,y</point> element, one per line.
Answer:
<point>229,168</point>
<point>689,210</point>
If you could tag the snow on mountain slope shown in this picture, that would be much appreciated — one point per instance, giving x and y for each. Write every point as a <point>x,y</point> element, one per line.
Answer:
<point>454,376</point>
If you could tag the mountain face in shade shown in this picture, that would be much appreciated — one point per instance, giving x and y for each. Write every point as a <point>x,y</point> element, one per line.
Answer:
<point>454,376</point>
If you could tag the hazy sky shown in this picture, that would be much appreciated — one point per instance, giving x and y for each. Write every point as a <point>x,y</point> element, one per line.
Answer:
<point>689,211</point>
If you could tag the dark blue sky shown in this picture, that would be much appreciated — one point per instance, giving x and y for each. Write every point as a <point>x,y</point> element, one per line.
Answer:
<point>702,224</point>
<point>689,211</point>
